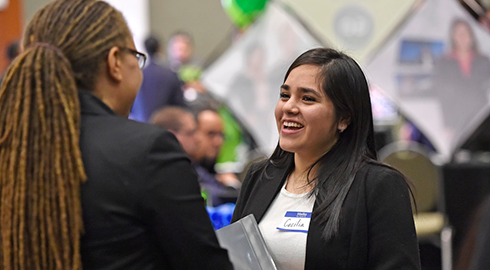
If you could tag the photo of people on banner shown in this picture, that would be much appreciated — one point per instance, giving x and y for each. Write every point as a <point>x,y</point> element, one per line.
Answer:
<point>439,74</point>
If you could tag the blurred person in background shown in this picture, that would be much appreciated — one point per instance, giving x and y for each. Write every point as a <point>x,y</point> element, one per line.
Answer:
<point>181,59</point>
<point>209,138</point>
<point>83,186</point>
<point>233,154</point>
<point>160,87</point>
<point>181,122</point>
<point>202,143</point>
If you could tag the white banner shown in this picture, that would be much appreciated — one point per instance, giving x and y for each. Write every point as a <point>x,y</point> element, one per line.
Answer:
<point>436,68</point>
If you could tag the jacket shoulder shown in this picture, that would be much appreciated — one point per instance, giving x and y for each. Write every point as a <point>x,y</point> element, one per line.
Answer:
<point>381,182</point>
<point>125,139</point>
<point>378,172</point>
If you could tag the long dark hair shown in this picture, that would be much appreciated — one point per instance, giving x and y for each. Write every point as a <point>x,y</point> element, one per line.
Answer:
<point>344,83</point>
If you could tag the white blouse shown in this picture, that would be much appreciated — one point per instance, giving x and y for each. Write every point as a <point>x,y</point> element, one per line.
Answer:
<point>285,236</point>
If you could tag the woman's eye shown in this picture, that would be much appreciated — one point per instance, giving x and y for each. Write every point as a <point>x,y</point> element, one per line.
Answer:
<point>309,98</point>
<point>283,95</point>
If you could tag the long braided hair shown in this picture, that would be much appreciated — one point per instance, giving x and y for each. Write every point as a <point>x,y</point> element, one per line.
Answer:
<point>41,167</point>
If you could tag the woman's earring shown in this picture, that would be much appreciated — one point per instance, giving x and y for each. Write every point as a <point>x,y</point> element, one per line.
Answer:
<point>341,130</point>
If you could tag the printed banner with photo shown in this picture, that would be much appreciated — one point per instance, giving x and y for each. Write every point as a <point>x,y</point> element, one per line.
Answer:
<point>437,69</point>
<point>248,76</point>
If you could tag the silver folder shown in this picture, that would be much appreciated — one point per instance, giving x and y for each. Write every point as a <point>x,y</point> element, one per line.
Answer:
<point>245,245</point>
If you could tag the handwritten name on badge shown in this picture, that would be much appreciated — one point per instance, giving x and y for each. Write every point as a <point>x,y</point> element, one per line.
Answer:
<point>295,222</point>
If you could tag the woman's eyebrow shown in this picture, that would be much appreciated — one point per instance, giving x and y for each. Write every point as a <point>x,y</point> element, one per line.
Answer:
<point>309,91</point>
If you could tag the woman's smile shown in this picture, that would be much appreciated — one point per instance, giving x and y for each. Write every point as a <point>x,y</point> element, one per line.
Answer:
<point>291,127</point>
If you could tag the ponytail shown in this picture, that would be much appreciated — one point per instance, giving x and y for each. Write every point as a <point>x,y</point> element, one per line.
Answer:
<point>41,166</point>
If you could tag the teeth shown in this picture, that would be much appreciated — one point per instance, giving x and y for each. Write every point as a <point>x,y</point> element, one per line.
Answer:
<point>291,124</point>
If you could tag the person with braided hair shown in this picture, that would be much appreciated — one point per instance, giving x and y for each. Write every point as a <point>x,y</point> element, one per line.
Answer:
<point>80,184</point>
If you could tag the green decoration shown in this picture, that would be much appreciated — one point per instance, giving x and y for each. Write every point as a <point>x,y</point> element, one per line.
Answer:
<point>233,137</point>
<point>243,12</point>
<point>251,6</point>
<point>190,73</point>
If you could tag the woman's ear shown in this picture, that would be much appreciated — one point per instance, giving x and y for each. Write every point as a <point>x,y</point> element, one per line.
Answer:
<point>114,64</point>
<point>343,124</point>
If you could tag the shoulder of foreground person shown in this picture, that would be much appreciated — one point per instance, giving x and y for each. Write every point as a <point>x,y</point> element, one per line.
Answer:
<point>161,181</point>
<point>176,203</point>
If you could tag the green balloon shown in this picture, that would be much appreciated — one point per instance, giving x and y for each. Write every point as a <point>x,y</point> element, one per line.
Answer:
<point>243,12</point>
<point>251,6</point>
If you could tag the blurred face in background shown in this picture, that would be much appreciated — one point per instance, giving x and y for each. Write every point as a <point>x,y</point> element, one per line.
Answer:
<point>186,134</point>
<point>180,49</point>
<point>209,136</point>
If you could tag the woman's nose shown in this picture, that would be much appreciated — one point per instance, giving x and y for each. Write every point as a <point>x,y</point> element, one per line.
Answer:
<point>291,106</point>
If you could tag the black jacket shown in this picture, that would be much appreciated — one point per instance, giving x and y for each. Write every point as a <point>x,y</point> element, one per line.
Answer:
<point>376,226</point>
<point>141,204</point>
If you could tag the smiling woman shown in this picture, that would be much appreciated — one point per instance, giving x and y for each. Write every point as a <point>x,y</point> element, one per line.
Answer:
<point>305,116</point>
<point>355,210</point>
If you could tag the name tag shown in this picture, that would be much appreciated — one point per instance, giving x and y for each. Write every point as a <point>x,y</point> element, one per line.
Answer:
<point>295,222</point>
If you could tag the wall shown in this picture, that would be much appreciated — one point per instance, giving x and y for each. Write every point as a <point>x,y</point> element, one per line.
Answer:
<point>10,29</point>
<point>204,19</point>
<point>136,13</point>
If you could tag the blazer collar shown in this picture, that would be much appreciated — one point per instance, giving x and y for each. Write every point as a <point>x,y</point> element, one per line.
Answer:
<point>90,104</point>
<point>269,188</point>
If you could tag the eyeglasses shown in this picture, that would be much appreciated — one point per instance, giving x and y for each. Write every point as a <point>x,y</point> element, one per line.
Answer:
<point>140,56</point>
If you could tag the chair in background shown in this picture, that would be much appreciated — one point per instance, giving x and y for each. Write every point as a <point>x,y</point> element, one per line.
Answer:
<point>414,161</point>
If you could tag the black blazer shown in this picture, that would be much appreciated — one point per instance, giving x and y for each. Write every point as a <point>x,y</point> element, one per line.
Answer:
<point>376,227</point>
<point>141,204</point>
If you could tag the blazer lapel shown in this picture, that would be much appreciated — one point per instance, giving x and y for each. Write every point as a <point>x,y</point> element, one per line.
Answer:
<point>266,191</point>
